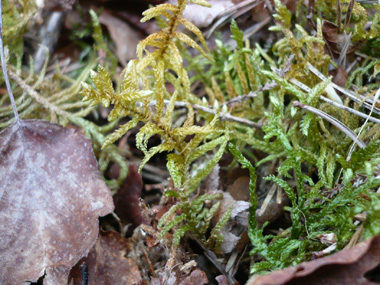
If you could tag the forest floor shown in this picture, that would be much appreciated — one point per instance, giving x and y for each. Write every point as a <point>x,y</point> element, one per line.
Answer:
<point>286,111</point>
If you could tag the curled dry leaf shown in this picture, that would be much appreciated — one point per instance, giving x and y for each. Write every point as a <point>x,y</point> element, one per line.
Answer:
<point>107,262</point>
<point>125,38</point>
<point>238,223</point>
<point>51,196</point>
<point>348,266</point>
<point>337,41</point>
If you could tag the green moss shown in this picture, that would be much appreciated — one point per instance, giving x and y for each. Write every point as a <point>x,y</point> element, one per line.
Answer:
<point>327,181</point>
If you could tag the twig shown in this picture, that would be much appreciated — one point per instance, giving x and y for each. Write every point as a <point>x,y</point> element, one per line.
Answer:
<point>236,266</point>
<point>84,273</point>
<point>213,259</point>
<point>333,121</point>
<point>232,12</point>
<point>241,98</point>
<point>4,66</point>
<point>255,28</point>
<point>323,98</point>
<point>32,93</point>
<point>353,111</point>
<point>365,123</point>
<point>150,265</point>
<point>49,34</point>
<point>267,199</point>
<point>343,54</point>
<point>223,116</point>
<point>348,93</point>
<point>236,7</point>
<point>356,237</point>
<point>348,14</point>
<point>339,15</point>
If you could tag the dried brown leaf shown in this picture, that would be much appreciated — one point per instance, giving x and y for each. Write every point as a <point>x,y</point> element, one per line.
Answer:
<point>239,221</point>
<point>239,190</point>
<point>127,199</point>
<point>196,277</point>
<point>107,262</point>
<point>336,40</point>
<point>51,196</point>
<point>348,266</point>
<point>212,181</point>
<point>340,76</point>
<point>125,38</point>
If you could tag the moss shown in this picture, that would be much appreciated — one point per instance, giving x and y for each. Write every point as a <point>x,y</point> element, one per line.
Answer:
<point>326,179</point>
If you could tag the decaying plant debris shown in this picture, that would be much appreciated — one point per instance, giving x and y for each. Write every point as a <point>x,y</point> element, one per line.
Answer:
<point>257,141</point>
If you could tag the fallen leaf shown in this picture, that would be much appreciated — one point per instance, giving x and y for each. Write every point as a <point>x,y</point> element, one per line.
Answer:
<point>348,266</point>
<point>164,278</point>
<point>230,240</point>
<point>127,199</point>
<point>212,182</point>
<point>203,16</point>
<point>239,208</point>
<point>51,196</point>
<point>107,262</point>
<point>222,280</point>
<point>235,227</point>
<point>125,38</point>
<point>340,76</point>
<point>196,277</point>
<point>335,40</point>
<point>239,190</point>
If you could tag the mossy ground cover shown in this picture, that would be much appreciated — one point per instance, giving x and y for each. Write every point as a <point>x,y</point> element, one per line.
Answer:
<point>277,102</point>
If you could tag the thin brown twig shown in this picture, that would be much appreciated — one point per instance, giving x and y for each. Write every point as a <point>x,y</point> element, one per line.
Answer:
<point>150,265</point>
<point>34,94</point>
<point>242,98</point>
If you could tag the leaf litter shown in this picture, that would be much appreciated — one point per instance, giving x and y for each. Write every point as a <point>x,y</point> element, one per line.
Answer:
<point>107,262</point>
<point>158,264</point>
<point>51,196</point>
<point>349,266</point>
